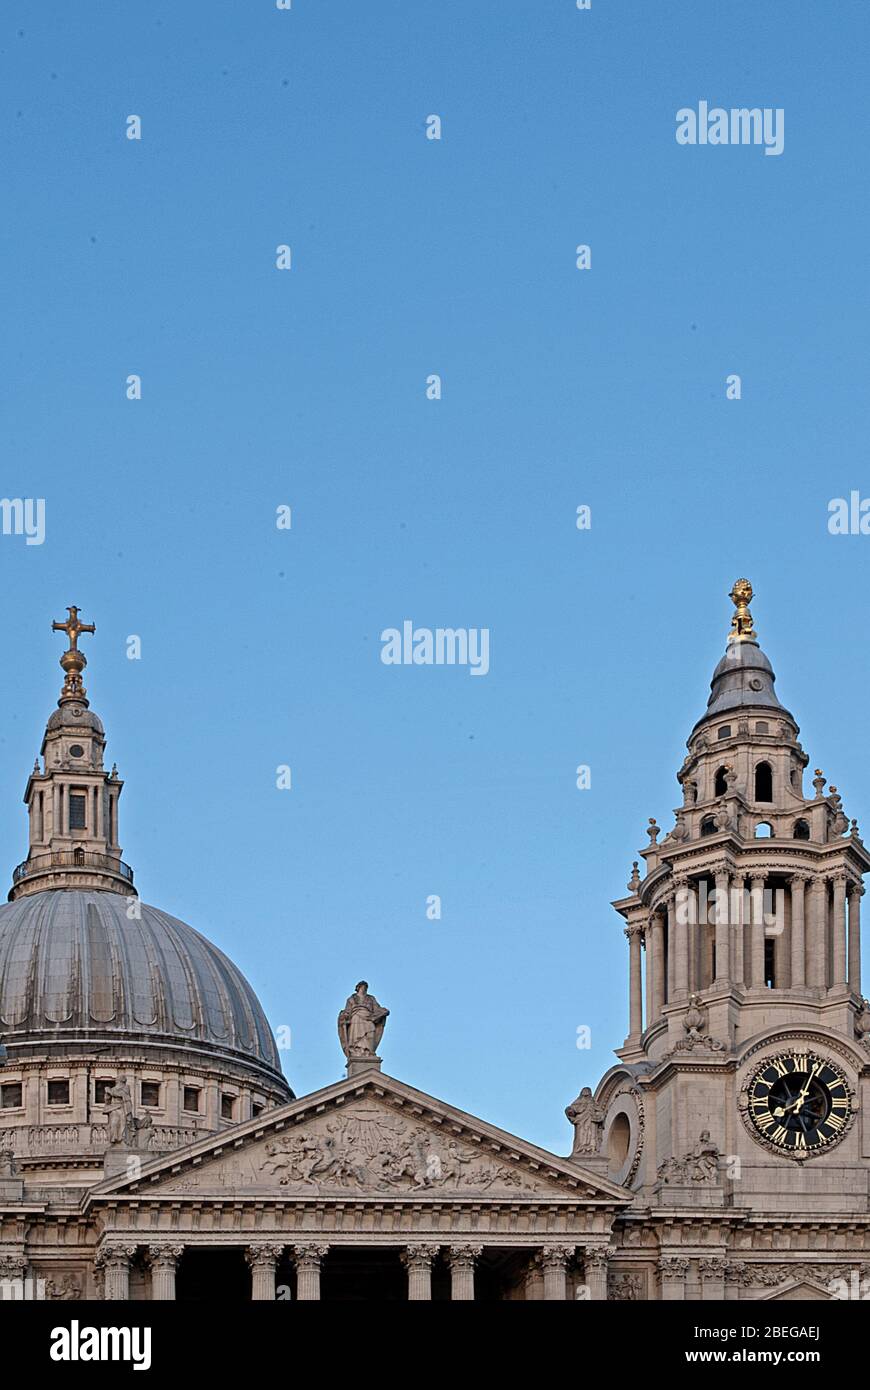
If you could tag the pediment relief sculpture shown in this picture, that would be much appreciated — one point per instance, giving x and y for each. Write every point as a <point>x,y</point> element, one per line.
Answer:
<point>364,1149</point>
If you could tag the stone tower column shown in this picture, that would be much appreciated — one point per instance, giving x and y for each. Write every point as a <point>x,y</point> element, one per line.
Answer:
<point>164,1259</point>
<point>757,930</point>
<point>838,925</point>
<point>817,964</point>
<point>798,883</point>
<point>723,927</point>
<point>658,964</point>
<point>856,892</point>
<point>308,1260</point>
<point>738,915</point>
<point>263,1261</point>
<point>635,997</point>
<point>462,1260</point>
<point>684,916</point>
<point>672,954</point>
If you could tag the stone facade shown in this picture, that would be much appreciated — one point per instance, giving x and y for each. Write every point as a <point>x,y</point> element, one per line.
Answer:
<point>150,1148</point>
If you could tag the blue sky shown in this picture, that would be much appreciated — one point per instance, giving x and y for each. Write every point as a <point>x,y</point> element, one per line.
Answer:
<point>307,388</point>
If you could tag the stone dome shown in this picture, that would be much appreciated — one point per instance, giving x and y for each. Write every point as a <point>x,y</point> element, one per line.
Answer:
<point>74,966</point>
<point>75,716</point>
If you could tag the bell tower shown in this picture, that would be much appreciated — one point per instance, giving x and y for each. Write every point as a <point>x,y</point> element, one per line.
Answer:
<point>745,948</point>
<point>71,799</point>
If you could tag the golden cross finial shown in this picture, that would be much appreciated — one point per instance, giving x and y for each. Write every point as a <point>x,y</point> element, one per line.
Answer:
<point>741,623</point>
<point>73,661</point>
<point>72,627</point>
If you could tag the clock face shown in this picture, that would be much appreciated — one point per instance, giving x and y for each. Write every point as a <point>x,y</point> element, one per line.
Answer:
<point>799,1103</point>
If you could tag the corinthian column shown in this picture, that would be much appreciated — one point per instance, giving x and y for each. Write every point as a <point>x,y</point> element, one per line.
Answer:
<point>672,1271</point>
<point>757,930</point>
<point>462,1259</point>
<point>554,1262</point>
<point>683,915</point>
<point>723,927</point>
<point>856,892</point>
<point>798,883</point>
<point>115,1262</point>
<point>658,964</point>
<point>308,1259</point>
<point>417,1259</point>
<point>635,998</point>
<point>738,914</point>
<point>263,1261</point>
<point>163,1259</point>
<point>839,930</point>
<point>595,1262</point>
<point>672,954</point>
<point>817,935</point>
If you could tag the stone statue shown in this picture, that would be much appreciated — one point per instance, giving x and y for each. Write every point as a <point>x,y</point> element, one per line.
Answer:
<point>124,1127</point>
<point>862,1020</point>
<point>361,1023</point>
<point>7,1164</point>
<point>120,1111</point>
<point>587,1119</point>
<point>704,1159</point>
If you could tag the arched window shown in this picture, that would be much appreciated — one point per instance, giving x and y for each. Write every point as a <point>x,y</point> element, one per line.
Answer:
<point>763,782</point>
<point>801,830</point>
<point>720,786</point>
<point>708,826</point>
<point>763,831</point>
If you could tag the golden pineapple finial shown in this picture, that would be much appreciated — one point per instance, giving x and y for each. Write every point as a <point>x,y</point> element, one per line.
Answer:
<point>741,623</point>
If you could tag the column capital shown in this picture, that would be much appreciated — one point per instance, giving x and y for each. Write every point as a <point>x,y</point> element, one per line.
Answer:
<point>673,1267</point>
<point>308,1256</point>
<point>419,1256</point>
<point>800,876</point>
<point>837,877</point>
<point>264,1253</point>
<point>13,1266</point>
<point>115,1255</point>
<point>464,1256</point>
<point>712,1268</point>
<point>163,1255</point>
<point>855,888</point>
<point>556,1256</point>
<point>598,1256</point>
<point>633,929</point>
<point>757,876</point>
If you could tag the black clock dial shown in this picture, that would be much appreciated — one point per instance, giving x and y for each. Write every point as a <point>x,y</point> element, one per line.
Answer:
<point>799,1102</point>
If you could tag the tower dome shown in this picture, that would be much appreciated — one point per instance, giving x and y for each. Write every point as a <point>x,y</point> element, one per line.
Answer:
<point>98,988</point>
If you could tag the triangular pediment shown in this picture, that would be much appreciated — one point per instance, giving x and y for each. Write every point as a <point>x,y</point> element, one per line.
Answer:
<point>370,1136</point>
<point>798,1291</point>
